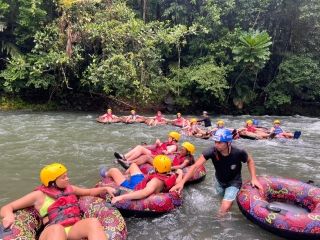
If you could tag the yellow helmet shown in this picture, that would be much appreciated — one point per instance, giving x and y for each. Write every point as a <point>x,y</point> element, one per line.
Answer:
<point>189,146</point>
<point>193,120</point>
<point>276,121</point>
<point>133,111</point>
<point>51,172</point>
<point>162,164</point>
<point>175,135</point>
<point>249,121</point>
<point>220,122</point>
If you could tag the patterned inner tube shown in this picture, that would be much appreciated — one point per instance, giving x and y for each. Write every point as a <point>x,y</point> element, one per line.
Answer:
<point>28,225</point>
<point>198,176</point>
<point>153,205</point>
<point>290,224</point>
<point>247,135</point>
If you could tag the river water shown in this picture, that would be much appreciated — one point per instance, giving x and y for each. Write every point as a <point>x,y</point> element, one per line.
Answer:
<point>28,141</point>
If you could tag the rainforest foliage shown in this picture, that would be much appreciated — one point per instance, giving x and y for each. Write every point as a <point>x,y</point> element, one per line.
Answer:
<point>244,56</point>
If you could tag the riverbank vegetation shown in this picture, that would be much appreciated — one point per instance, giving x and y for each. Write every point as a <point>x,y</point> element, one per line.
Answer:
<point>227,56</point>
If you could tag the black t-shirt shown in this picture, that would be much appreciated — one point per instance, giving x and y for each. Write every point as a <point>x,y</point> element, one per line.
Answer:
<point>228,168</point>
<point>206,120</point>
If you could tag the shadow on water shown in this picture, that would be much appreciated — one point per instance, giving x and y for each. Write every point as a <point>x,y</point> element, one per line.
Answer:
<point>29,141</point>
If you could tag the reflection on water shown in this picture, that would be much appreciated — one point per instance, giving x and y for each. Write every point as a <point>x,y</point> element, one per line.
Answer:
<point>29,141</point>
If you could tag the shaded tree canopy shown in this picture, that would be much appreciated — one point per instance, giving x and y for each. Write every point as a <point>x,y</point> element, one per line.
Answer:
<point>244,56</point>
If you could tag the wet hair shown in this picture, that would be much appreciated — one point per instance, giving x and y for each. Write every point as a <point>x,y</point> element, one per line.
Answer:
<point>191,159</point>
<point>52,184</point>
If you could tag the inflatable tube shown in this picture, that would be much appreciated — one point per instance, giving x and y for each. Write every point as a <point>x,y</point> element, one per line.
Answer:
<point>139,119</point>
<point>202,136</point>
<point>303,222</point>
<point>198,176</point>
<point>110,218</point>
<point>28,225</point>
<point>153,205</point>
<point>180,125</point>
<point>106,120</point>
<point>248,135</point>
<point>295,135</point>
<point>150,122</point>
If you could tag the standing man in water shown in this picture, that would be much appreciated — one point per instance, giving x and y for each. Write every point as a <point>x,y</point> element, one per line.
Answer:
<point>227,161</point>
<point>205,119</point>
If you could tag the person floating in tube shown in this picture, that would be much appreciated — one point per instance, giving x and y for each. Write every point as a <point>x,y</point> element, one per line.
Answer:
<point>227,161</point>
<point>146,153</point>
<point>57,202</point>
<point>140,186</point>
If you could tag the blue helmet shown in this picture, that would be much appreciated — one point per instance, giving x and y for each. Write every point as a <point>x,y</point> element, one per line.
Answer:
<point>222,135</point>
<point>255,122</point>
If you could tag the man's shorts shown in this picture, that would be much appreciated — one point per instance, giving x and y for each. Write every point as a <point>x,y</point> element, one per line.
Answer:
<point>133,181</point>
<point>229,193</point>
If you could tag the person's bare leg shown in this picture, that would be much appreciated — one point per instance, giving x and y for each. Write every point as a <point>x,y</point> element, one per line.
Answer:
<point>264,135</point>
<point>53,232</point>
<point>139,150</point>
<point>128,154</point>
<point>143,159</point>
<point>149,122</point>
<point>224,207</point>
<point>89,228</point>
<point>134,169</point>
<point>116,175</point>
<point>288,135</point>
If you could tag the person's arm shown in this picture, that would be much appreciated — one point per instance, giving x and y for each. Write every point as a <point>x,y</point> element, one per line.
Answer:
<point>158,142</point>
<point>214,129</point>
<point>93,191</point>
<point>170,149</point>
<point>151,187</point>
<point>178,187</point>
<point>172,121</point>
<point>186,127</point>
<point>241,129</point>
<point>179,172</point>
<point>201,120</point>
<point>252,171</point>
<point>104,115</point>
<point>182,165</point>
<point>28,200</point>
<point>199,130</point>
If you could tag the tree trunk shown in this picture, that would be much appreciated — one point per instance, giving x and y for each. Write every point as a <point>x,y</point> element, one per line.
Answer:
<point>232,85</point>
<point>144,10</point>
<point>179,55</point>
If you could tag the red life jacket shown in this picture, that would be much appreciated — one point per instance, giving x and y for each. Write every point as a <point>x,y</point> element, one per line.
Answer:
<point>178,160</point>
<point>65,209</point>
<point>179,121</point>
<point>169,181</point>
<point>108,116</point>
<point>163,147</point>
<point>251,129</point>
<point>159,118</point>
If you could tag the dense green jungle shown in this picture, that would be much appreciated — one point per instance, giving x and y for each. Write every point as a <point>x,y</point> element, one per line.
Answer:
<point>225,56</point>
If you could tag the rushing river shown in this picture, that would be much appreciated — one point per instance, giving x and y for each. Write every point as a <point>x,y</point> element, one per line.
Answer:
<point>28,141</point>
